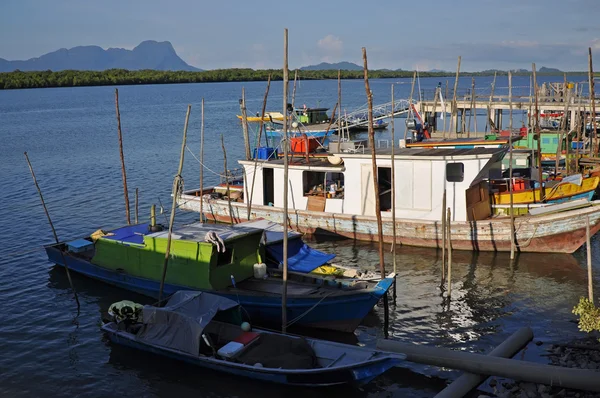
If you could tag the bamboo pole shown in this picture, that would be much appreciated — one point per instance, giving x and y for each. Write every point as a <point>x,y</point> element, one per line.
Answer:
<point>589,258</point>
<point>123,173</point>
<point>539,137</point>
<point>449,226</point>
<point>592,104</point>
<point>474,109</point>
<point>394,260</point>
<point>454,105</point>
<point>136,205</point>
<point>245,124</point>
<point>412,91</point>
<point>285,189</point>
<point>563,128</point>
<point>152,217</point>
<point>510,171</point>
<point>579,129</point>
<point>176,186</point>
<point>375,184</point>
<point>444,236</point>
<point>202,162</point>
<point>262,116</point>
<point>53,232</point>
<point>227,189</point>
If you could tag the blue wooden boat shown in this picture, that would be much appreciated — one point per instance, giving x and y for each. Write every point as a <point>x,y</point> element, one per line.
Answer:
<point>132,257</point>
<point>200,329</point>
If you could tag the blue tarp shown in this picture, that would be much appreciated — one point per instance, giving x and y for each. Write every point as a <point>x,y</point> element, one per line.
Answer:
<point>301,257</point>
<point>130,234</point>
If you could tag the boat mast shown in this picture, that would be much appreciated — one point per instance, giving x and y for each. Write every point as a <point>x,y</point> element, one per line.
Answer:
<point>285,179</point>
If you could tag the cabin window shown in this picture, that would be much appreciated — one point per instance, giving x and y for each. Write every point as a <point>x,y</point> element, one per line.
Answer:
<point>455,172</point>
<point>226,257</point>
<point>384,180</point>
<point>318,183</point>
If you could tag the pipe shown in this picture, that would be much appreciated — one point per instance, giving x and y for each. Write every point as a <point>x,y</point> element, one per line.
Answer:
<point>482,364</point>
<point>468,381</point>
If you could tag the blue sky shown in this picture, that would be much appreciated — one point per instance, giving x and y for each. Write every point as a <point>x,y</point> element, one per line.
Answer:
<point>424,34</point>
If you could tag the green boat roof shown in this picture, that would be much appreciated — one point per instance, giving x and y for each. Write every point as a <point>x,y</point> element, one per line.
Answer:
<point>196,232</point>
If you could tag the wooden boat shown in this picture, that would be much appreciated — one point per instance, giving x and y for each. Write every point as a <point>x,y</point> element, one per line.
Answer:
<point>132,258</point>
<point>555,191</point>
<point>190,329</point>
<point>268,117</point>
<point>422,176</point>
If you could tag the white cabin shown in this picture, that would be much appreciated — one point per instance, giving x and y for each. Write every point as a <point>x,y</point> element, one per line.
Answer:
<point>420,180</point>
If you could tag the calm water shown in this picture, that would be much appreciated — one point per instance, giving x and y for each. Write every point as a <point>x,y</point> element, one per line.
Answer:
<point>70,134</point>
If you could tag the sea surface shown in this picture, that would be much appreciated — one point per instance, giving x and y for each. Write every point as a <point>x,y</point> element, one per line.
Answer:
<point>49,349</point>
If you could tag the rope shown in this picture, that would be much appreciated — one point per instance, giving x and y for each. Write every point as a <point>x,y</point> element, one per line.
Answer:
<point>308,310</point>
<point>205,166</point>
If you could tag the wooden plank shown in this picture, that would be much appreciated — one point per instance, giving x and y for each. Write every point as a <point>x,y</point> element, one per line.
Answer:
<point>316,203</point>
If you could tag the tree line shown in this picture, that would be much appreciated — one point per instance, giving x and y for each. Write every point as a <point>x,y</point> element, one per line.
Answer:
<point>74,78</point>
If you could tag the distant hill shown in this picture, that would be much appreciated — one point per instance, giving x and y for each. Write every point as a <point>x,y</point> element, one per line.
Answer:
<point>147,55</point>
<point>543,69</point>
<point>336,66</point>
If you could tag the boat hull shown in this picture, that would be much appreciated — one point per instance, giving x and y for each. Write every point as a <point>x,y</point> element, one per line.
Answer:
<point>562,232</point>
<point>358,374</point>
<point>559,194</point>
<point>333,312</point>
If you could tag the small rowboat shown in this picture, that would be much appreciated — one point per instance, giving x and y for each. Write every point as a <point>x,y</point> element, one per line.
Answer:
<point>206,330</point>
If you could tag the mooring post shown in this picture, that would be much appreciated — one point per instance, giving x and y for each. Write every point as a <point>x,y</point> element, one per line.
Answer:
<point>245,124</point>
<point>539,138</point>
<point>136,205</point>
<point>449,226</point>
<point>454,104</point>
<point>589,259</point>
<point>53,232</point>
<point>394,263</point>
<point>152,217</point>
<point>376,187</point>
<point>410,104</point>
<point>444,236</point>
<point>176,186</point>
<point>123,173</point>
<point>593,134</point>
<point>227,189</point>
<point>510,172</point>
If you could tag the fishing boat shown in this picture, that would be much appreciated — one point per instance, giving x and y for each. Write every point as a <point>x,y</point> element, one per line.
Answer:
<point>334,195</point>
<point>203,329</point>
<point>221,259</point>
<point>310,122</point>
<point>267,118</point>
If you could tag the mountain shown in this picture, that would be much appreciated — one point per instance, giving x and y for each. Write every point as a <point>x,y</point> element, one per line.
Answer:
<point>543,69</point>
<point>147,55</point>
<point>336,66</point>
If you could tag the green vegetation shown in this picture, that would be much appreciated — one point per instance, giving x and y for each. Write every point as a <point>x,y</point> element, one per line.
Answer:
<point>73,78</point>
<point>589,315</point>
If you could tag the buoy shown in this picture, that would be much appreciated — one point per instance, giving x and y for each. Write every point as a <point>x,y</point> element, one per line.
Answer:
<point>335,160</point>
<point>246,326</point>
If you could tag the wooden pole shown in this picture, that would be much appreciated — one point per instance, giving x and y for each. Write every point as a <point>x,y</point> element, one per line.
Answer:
<point>375,184</point>
<point>539,137</point>
<point>564,134</point>
<point>510,170</point>
<point>227,189</point>
<point>394,262</point>
<point>176,186</point>
<point>592,104</point>
<point>472,105</point>
<point>454,105</point>
<point>474,109</point>
<point>449,226</point>
<point>579,128</point>
<point>136,205</point>
<point>123,173</point>
<point>202,162</point>
<point>245,124</point>
<point>444,236</point>
<point>412,91</point>
<point>53,231</point>
<point>285,189</point>
<point>152,217</point>
<point>589,259</point>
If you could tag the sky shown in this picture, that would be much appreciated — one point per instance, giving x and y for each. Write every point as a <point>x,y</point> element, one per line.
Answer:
<point>420,34</point>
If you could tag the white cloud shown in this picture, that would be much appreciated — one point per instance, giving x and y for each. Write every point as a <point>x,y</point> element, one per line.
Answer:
<point>331,48</point>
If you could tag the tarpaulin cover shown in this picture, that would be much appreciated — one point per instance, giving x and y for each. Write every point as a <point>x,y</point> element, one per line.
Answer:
<point>129,234</point>
<point>180,323</point>
<point>301,257</point>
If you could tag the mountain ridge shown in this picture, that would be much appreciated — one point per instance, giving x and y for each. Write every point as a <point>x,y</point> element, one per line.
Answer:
<point>149,54</point>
